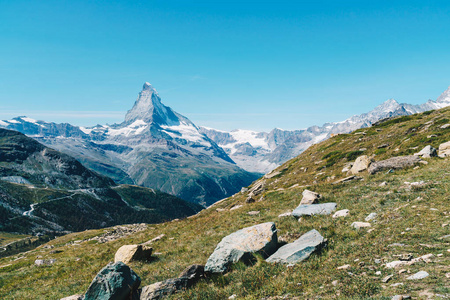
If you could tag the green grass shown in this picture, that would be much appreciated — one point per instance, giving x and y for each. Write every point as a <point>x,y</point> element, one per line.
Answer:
<point>413,216</point>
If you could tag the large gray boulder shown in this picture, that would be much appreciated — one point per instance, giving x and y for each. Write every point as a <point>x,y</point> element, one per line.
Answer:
<point>310,197</point>
<point>116,281</point>
<point>427,152</point>
<point>314,209</point>
<point>240,245</point>
<point>299,250</point>
<point>394,163</point>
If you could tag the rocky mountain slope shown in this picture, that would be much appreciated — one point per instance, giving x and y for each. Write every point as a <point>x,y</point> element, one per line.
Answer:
<point>154,147</point>
<point>392,226</point>
<point>264,151</point>
<point>45,191</point>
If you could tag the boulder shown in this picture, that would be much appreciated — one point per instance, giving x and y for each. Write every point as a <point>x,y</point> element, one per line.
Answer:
<point>44,262</point>
<point>115,281</point>
<point>73,297</point>
<point>399,162</point>
<point>187,278</point>
<point>444,149</point>
<point>310,197</point>
<point>158,290</point>
<point>128,253</point>
<point>314,209</point>
<point>299,250</point>
<point>427,152</point>
<point>240,245</point>
<point>371,216</point>
<point>360,164</point>
<point>341,213</point>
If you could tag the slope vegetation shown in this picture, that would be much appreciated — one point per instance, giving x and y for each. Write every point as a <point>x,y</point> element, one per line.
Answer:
<point>412,207</point>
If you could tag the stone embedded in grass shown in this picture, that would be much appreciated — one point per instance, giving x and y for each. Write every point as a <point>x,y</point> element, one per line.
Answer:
<point>418,275</point>
<point>400,297</point>
<point>427,152</point>
<point>360,164</point>
<point>341,213</point>
<point>44,262</point>
<point>359,225</point>
<point>299,250</point>
<point>444,149</point>
<point>115,281</point>
<point>240,245</point>
<point>310,197</point>
<point>371,216</point>
<point>286,214</point>
<point>394,163</point>
<point>73,297</point>
<point>344,267</point>
<point>314,209</point>
<point>253,213</point>
<point>128,253</point>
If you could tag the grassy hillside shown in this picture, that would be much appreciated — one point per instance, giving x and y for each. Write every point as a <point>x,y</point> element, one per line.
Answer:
<point>411,219</point>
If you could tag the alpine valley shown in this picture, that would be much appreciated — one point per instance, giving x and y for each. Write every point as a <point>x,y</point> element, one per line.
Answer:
<point>159,148</point>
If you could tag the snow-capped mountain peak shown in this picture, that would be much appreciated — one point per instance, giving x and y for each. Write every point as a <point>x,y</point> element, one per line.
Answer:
<point>444,99</point>
<point>149,108</point>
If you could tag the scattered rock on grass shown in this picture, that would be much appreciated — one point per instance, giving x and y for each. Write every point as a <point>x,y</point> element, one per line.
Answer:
<point>371,216</point>
<point>128,253</point>
<point>314,209</point>
<point>310,197</point>
<point>360,164</point>
<point>341,213</point>
<point>444,149</point>
<point>394,163</point>
<point>418,275</point>
<point>299,250</point>
<point>359,225</point>
<point>115,281</point>
<point>240,245</point>
<point>44,262</point>
<point>401,297</point>
<point>427,152</point>
<point>73,297</point>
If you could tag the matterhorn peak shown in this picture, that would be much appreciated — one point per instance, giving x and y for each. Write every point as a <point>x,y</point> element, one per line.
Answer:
<point>149,108</point>
<point>444,97</point>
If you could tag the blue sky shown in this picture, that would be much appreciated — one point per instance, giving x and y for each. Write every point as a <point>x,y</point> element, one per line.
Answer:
<point>223,64</point>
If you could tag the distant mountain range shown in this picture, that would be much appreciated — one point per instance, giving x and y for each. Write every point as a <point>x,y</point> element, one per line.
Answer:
<point>45,191</point>
<point>264,151</point>
<point>159,148</point>
<point>154,147</point>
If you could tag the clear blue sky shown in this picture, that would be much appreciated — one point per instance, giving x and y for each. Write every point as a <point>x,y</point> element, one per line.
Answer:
<point>224,64</point>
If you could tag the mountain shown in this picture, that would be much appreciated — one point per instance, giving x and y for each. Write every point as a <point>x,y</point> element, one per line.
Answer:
<point>153,147</point>
<point>43,190</point>
<point>264,151</point>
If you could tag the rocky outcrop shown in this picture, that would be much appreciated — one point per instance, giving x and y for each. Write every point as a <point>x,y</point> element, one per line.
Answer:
<point>314,209</point>
<point>240,245</point>
<point>427,152</point>
<point>310,197</point>
<point>394,163</point>
<point>444,149</point>
<point>299,250</point>
<point>360,164</point>
<point>115,281</point>
<point>128,253</point>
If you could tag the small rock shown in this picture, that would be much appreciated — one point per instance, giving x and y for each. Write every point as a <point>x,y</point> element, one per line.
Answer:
<point>359,225</point>
<point>129,253</point>
<point>387,278</point>
<point>378,273</point>
<point>371,216</point>
<point>341,213</point>
<point>377,261</point>
<point>401,297</point>
<point>384,183</point>
<point>309,197</point>
<point>445,126</point>
<point>253,213</point>
<point>44,262</point>
<point>444,149</point>
<point>73,297</point>
<point>314,209</point>
<point>344,267</point>
<point>427,152</point>
<point>236,207</point>
<point>397,284</point>
<point>418,275</point>
<point>360,164</point>
<point>249,199</point>
<point>335,282</point>
<point>406,257</point>
<point>232,297</point>
<point>286,214</point>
